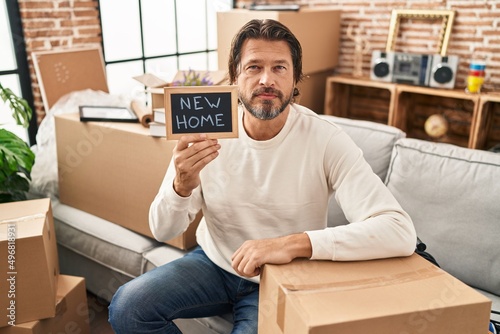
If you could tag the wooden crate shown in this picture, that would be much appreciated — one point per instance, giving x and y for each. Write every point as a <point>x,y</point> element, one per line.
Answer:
<point>359,99</point>
<point>415,104</point>
<point>487,131</point>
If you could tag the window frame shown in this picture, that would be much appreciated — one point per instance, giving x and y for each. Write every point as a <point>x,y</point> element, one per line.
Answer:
<point>143,59</point>
<point>22,70</point>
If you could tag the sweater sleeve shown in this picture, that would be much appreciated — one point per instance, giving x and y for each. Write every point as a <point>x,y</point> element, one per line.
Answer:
<point>169,213</point>
<point>378,227</point>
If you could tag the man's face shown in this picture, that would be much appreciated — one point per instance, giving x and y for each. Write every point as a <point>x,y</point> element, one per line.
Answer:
<point>265,79</point>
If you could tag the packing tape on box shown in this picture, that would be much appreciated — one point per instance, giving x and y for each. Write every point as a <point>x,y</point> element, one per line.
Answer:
<point>23,218</point>
<point>144,115</point>
<point>366,283</point>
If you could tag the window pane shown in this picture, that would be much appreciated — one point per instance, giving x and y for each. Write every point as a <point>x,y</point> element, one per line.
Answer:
<point>7,58</point>
<point>213,61</point>
<point>120,78</point>
<point>6,120</point>
<point>158,20</point>
<point>165,68</point>
<point>121,29</point>
<point>192,25</point>
<point>197,62</point>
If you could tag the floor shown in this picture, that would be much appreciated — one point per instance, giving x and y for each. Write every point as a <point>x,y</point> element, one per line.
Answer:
<point>98,315</point>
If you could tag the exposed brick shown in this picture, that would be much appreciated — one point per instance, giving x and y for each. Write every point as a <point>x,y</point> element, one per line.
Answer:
<point>26,15</point>
<point>86,13</point>
<point>87,40</point>
<point>90,31</point>
<point>38,24</point>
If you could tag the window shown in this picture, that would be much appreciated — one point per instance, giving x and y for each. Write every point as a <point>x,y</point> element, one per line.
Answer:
<point>14,69</point>
<point>157,36</point>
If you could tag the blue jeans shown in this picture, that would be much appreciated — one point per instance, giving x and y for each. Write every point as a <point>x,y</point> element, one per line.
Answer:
<point>190,287</point>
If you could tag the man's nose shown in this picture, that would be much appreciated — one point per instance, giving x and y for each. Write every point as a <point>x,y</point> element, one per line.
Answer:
<point>267,77</point>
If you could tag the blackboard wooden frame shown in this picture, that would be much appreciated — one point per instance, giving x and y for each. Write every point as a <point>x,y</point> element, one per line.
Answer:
<point>229,96</point>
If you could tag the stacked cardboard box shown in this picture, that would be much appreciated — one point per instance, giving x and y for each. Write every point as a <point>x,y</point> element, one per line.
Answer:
<point>36,298</point>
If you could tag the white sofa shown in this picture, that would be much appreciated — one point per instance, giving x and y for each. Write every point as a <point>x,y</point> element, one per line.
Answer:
<point>452,194</point>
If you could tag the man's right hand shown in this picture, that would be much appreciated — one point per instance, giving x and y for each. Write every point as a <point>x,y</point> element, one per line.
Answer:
<point>191,154</point>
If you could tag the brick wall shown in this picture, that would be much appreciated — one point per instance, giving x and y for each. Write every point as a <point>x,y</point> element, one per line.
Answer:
<point>59,24</point>
<point>476,32</point>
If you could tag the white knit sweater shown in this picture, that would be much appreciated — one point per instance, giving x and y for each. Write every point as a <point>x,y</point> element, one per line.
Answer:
<point>265,189</point>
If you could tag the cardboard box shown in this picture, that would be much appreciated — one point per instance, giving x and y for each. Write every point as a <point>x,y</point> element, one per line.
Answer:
<point>313,90</point>
<point>151,80</point>
<point>317,29</point>
<point>113,171</point>
<point>156,83</point>
<point>29,265</point>
<point>399,295</point>
<point>72,314</point>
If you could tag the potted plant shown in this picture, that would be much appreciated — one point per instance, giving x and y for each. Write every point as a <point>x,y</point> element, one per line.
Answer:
<point>16,157</point>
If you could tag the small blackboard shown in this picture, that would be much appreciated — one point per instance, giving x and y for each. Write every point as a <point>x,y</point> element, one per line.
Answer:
<point>201,109</point>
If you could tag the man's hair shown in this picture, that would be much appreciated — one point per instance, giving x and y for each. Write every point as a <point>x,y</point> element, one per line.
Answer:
<point>269,30</point>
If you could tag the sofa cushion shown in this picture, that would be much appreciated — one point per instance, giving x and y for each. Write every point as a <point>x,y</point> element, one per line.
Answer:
<point>376,141</point>
<point>452,195</point>
<point>104,242</point>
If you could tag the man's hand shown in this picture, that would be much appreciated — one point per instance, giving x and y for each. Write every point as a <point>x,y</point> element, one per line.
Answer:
<point>249,258</point>
<point>191,154</point>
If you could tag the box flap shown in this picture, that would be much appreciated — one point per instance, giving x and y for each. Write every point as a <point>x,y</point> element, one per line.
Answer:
<point>29,218</point>
<point>154,81</point>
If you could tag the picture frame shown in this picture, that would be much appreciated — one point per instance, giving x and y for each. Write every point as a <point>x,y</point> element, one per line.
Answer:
<point>107,114</point>
<point>446,16</point>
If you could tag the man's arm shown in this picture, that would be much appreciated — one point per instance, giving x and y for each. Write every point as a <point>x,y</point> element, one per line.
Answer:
<point>249,258</point>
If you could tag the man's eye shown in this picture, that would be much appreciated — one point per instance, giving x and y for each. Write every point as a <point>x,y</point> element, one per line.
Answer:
<point>280,68</point>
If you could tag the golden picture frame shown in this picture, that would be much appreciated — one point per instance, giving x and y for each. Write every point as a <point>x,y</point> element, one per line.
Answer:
<point>446,16</point>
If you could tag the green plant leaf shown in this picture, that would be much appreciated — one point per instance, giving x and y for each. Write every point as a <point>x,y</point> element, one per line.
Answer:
<point>21,111</point>
<point>15,157</point>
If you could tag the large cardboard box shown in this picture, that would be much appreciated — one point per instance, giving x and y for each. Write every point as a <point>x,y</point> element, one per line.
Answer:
<point>72,314</point>
<point>398,295</point>
<point>29,266</point>
<point>113,171</point>
<point>317,29</point>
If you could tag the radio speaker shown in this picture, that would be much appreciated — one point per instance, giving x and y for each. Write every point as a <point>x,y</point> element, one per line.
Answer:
<point>443,72</point>
<point>381,66</point>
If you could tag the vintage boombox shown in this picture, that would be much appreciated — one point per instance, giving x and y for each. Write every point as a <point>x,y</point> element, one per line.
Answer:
<point>414,69</point>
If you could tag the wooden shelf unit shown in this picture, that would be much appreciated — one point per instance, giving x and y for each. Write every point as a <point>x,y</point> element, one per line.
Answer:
<point>473,119</point>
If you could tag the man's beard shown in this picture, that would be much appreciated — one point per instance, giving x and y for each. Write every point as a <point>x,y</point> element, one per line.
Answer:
<point>266,110</point>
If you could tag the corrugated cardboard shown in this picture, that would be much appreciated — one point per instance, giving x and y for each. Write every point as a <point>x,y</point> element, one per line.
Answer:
<point>317,29</point>
<point>60,72</point>
<point>399,295</point>
<point>113,171</point>
<point>151,80</point>
<point>29,265</point>
<point>72,314</point>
